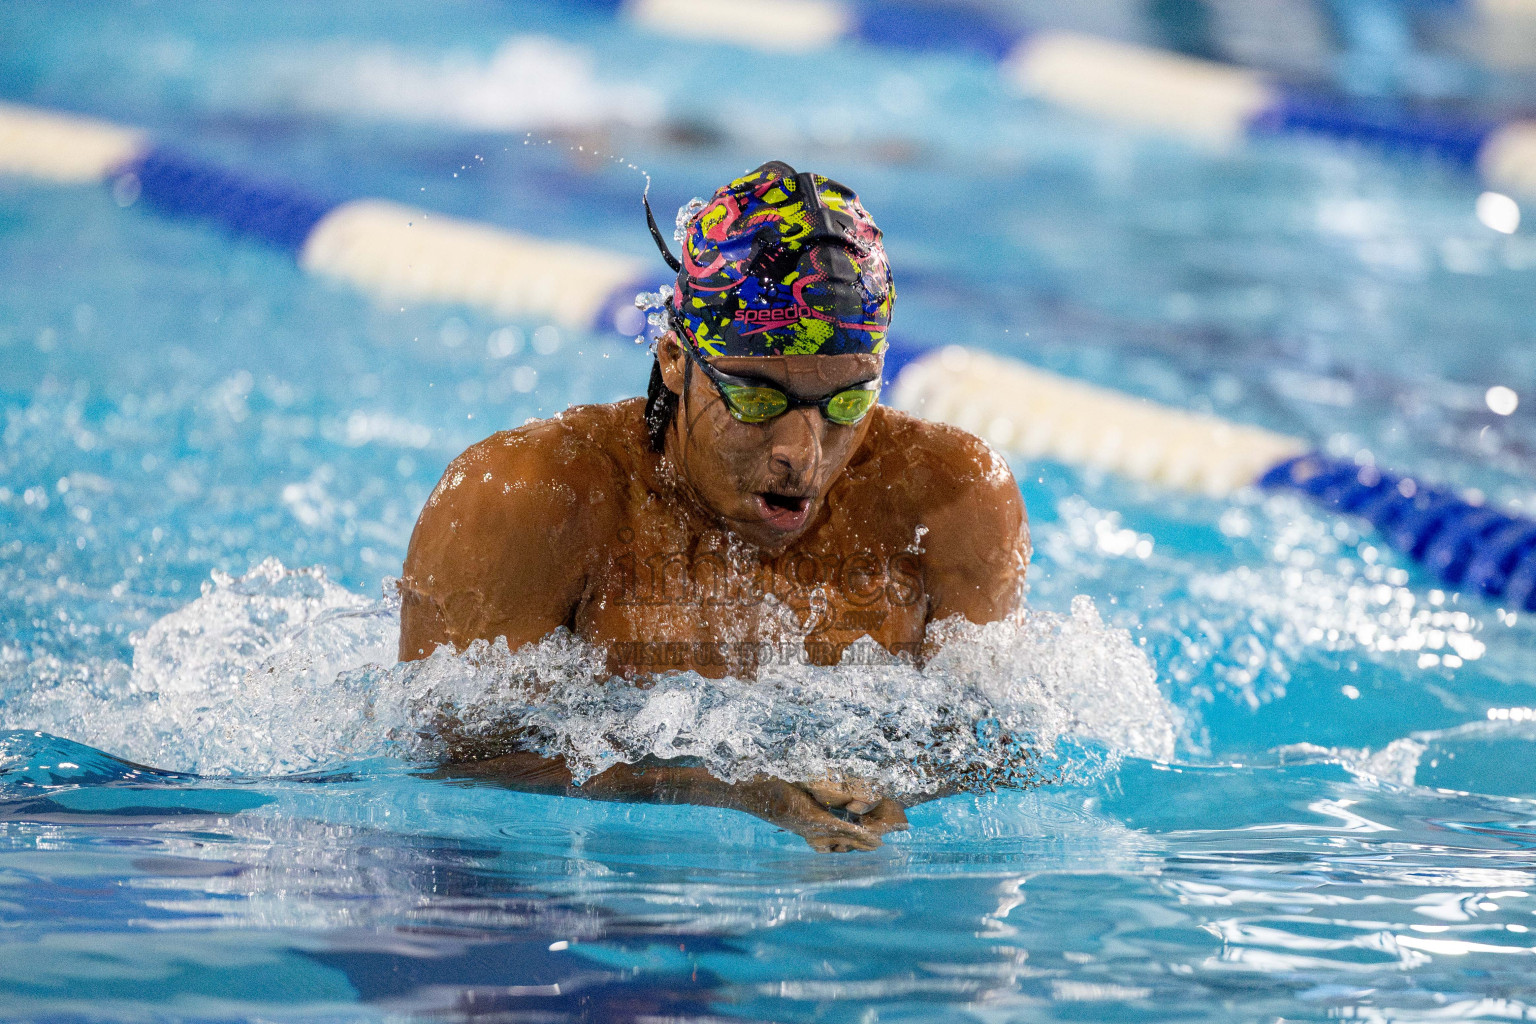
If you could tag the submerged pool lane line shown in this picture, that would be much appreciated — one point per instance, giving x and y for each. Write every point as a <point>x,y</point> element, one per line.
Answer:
<point>400,252</point>
<point>1159,90</point>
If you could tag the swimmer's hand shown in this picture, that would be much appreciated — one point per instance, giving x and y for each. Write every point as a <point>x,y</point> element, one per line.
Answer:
<point>843,792</point>
<point>781,803</point>
<point>795,808</point>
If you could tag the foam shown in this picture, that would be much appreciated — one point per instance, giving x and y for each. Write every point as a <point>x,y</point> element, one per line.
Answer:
<point>1428,758</point>
<point>282,671</point>
<point>1312,604</point>
<point>1396,763</point>
<point>1308,590</point>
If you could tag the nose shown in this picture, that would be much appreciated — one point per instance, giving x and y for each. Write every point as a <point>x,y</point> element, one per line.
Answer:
<point>796,439</point>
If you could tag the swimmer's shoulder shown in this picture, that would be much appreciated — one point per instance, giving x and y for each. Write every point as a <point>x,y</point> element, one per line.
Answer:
<point>565,471</point>
<point>935,463</point>
<point>594,446</point>
<point>958,496</point>
<point>510,535</point>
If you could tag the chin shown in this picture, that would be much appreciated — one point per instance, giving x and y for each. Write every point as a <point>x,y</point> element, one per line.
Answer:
<point>751,526</point>
<point>773,541</point>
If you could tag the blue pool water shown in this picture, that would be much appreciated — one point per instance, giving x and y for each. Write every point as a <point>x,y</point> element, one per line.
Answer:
<point>1294,780</point>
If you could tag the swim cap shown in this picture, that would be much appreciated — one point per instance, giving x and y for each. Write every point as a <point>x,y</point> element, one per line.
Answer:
<point>781,263</point>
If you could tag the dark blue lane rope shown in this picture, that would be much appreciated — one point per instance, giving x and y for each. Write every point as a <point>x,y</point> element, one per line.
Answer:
<point>278,213</point>
<point>920,25</point>
<point>1467,546</point>
<point>1387,127</point>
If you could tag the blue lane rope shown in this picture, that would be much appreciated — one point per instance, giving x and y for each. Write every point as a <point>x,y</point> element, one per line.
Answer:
<point>1389,128</point>
<point>1464,544</point>
<point>278,213</point>
<point>917,26</point>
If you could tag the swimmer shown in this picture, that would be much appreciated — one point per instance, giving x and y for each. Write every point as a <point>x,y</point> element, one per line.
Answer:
<point>758,503</point>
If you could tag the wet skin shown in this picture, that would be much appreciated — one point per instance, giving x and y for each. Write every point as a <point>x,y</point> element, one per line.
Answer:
<point>740,541</point>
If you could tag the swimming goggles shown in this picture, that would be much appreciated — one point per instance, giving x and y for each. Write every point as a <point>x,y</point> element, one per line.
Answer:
<point>753,401</point>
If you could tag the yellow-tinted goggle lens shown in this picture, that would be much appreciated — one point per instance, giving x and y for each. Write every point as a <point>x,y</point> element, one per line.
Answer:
<point>754,405</point>
<point>848,407</point>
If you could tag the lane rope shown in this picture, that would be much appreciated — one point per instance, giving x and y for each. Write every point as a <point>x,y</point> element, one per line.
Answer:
<point>386,249</point>
<point>62,147</point>
<point>394,251</point>
<point>1036,414</point>
<point>1200,100</point>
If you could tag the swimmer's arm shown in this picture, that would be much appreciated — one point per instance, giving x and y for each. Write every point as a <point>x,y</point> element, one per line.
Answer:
<point>778,802</point>
<point>976,550</point>
<point>498,549</point>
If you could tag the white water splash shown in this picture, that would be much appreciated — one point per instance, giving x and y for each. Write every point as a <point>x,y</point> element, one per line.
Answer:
<point>686,213</point>
<point>1428,757</point>
<point>282,671</point>
<point>1319,589</point>
<point>1396,763</point>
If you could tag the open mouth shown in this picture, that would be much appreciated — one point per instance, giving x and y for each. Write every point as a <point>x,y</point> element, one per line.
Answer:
<point>783,511</point>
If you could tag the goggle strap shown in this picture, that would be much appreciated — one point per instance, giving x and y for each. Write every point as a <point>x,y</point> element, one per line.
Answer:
<point>823,228</point>
<point>650,220</point>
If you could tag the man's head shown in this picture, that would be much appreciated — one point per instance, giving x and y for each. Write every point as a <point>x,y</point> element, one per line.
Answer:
<point>763,383</point>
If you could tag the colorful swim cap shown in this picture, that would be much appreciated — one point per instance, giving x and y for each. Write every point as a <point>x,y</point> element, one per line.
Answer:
<point>781,263</point>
